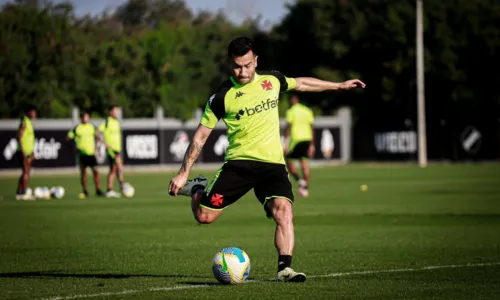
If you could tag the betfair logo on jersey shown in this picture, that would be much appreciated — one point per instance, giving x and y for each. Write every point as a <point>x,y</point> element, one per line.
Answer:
<point>263,106</point>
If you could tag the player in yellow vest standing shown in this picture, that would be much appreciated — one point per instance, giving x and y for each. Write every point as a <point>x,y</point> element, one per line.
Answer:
<point>299,135</point>
<point>25,151</point>
<point>85,136</point>
<point>112,136</point>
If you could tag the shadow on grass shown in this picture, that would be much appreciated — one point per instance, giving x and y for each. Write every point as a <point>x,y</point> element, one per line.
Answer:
<point>60,274</point>
<point>212,283</point>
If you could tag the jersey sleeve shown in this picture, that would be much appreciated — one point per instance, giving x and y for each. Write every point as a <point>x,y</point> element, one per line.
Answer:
<point>214,110</point>
<point>286,84</point>
<point>102,126</point>
<point>72,133</point>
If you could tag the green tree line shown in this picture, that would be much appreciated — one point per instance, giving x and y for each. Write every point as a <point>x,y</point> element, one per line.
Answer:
<point>151,53</point>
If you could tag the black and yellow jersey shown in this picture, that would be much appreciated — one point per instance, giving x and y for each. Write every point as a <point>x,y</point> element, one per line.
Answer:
<point>251,115</point>
<point>84,135</point>
<point>112,134</point>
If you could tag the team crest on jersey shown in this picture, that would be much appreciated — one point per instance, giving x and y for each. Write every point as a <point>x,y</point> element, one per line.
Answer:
<point>267,85</point>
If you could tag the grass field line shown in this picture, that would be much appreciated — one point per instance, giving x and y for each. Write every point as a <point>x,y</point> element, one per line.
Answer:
<point>340,274</point>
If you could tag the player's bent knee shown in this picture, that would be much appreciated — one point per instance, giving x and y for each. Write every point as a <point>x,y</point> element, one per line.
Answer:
<point>205,216</point>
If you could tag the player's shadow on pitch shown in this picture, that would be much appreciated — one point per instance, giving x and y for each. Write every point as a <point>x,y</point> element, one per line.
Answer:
<point>59,274</point>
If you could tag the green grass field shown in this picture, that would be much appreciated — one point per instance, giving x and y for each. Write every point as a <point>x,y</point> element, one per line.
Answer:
<point>416,233</point>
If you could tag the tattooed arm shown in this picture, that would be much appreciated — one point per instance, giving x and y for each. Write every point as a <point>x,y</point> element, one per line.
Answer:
<point>194,149</point>
<point>192,154</point>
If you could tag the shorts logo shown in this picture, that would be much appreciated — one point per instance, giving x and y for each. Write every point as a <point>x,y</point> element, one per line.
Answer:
<point>216,200</point>
<point>263,106</point>
<point>267,85</point>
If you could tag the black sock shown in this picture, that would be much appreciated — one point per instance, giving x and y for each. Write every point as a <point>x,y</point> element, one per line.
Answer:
<point>86,192</point>
<point>296,176</point>
<point>284,261</point>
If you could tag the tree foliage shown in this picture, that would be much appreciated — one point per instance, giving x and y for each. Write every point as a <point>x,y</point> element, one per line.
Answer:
<point>152,53</point>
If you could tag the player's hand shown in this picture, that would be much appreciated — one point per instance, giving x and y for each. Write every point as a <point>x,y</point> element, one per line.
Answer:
<point>311,151</point>
<point>177,183</point>
<point>352,84</point>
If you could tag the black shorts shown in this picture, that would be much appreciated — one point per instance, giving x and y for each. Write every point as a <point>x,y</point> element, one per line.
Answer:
<point>20,158</point>
<point>113,156</point>
<point>237,177</point>
<point>299,151</point>
<point>87,160</point>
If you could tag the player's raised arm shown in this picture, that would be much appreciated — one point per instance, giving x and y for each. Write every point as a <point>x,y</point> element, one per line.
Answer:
<point>309,84</point>
<point>192,153</point>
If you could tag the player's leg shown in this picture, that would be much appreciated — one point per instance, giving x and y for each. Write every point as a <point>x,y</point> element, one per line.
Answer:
<point>119,170</point>
<point>304,165</point>
<point>232,181</point>
<point>304,186</point>
<point>201,214</point>
<point>20,183</point>
<point>83,176</point>
<point>24,178</point>
<point>111,175</point>
<point>97,182</point>
<point>274,191</point>
<point>290,165</point>
<point>92,163</point>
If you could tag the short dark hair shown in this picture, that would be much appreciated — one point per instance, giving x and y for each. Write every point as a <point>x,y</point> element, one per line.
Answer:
<point>29,108</point>
<point>239,47</point>
<point>110,108</point>
<point>83,113</point>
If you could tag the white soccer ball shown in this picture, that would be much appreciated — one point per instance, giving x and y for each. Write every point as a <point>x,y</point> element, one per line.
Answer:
<point>29,192</point>
<point>231,265</point>
<point>38,192</point>
<point>57,192</point>
<point>128,190</point>
<point>45,193</point>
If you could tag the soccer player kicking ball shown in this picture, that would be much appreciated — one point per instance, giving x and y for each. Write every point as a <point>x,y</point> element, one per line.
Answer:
<point>85,135</point>
<point>299,133</point>
<point>112,134</point>
<point>25,148</point>
<point>248,105</point>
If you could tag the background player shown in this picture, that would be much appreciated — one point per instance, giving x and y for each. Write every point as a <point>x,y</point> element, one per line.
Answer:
<point>299,134</point>
<point>112,136</point>
<point>248,105</point>
<point>85,136</point>
<point>25,148</point>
